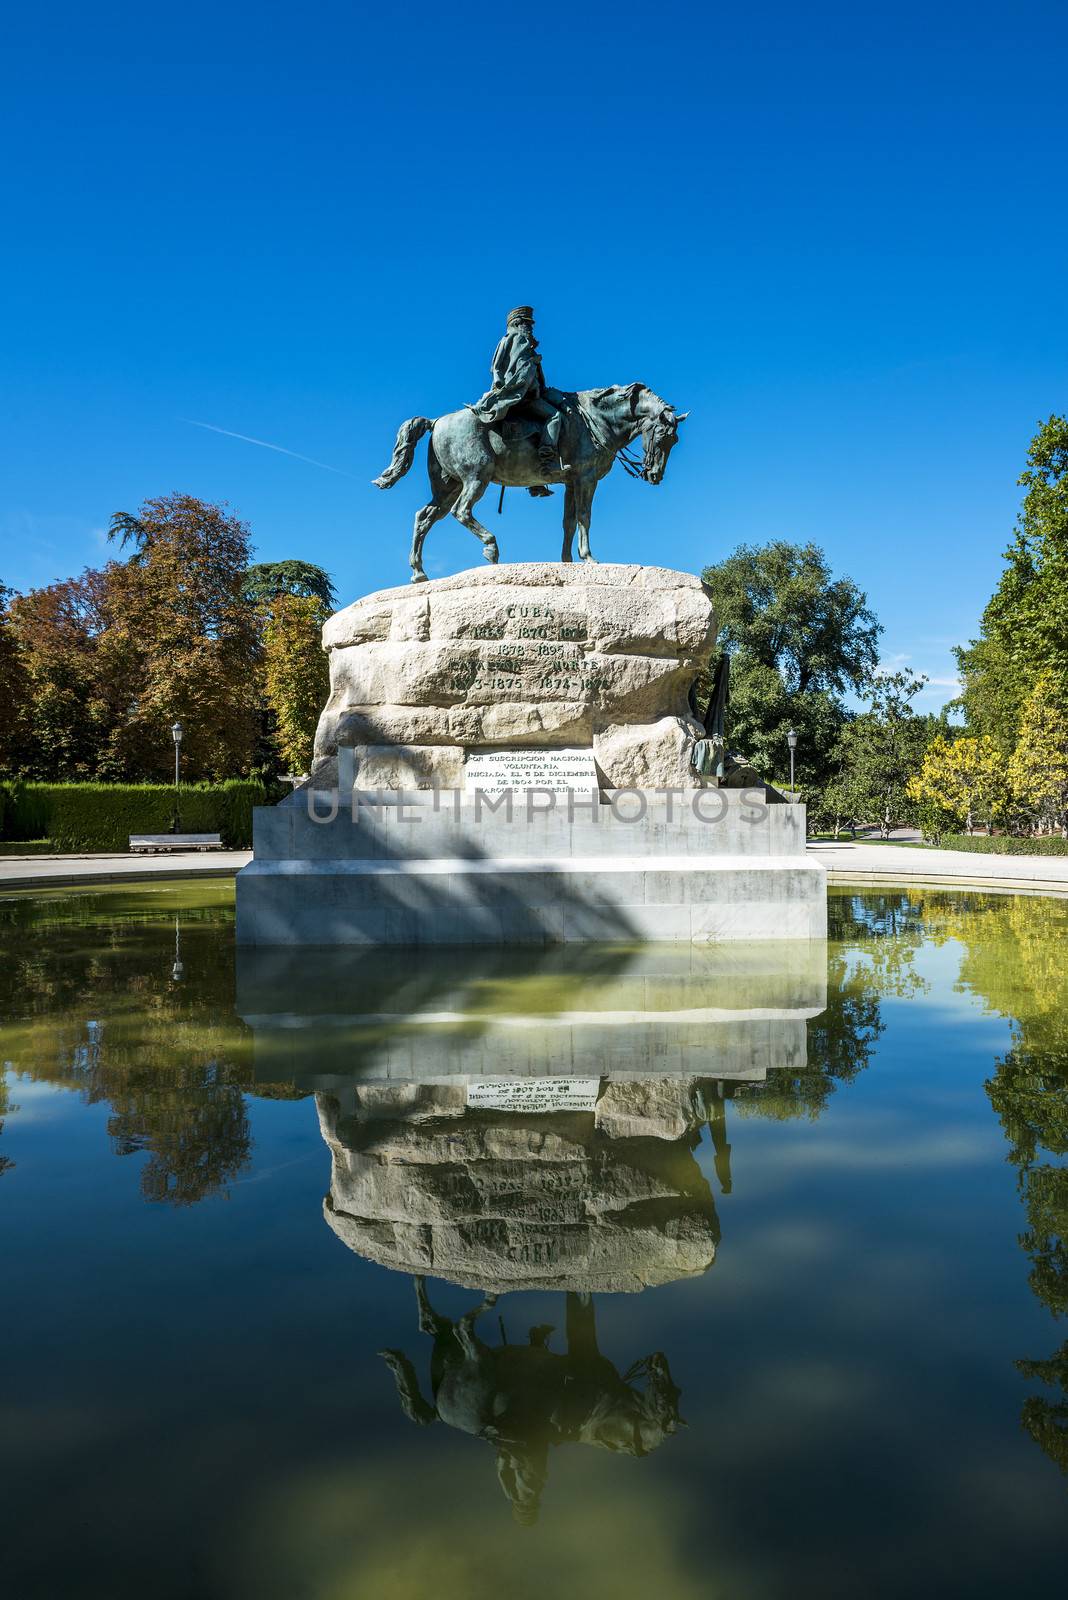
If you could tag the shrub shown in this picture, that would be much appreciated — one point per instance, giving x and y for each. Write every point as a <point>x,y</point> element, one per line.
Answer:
<point>1004,845</point>
<point>102,816</point>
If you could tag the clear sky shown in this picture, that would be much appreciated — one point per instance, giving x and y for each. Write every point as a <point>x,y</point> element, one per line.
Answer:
<point>837,233</point>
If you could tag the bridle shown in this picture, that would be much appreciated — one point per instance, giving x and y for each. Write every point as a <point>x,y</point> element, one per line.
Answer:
<point>631,464</point>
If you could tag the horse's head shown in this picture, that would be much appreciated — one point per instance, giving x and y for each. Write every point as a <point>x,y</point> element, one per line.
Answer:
<point>659,433</point>
<point>635,1421</point>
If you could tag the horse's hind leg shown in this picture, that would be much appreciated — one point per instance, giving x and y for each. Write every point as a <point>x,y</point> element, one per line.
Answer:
<point>445,492</point>
<point>465,1328</point>
<point>569,522</point>
<point>463,511</point>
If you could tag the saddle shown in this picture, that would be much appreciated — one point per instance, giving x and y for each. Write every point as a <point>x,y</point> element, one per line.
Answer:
<point>511,430</point>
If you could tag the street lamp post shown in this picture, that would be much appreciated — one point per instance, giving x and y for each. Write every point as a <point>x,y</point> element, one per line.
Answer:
<point>176,735</point>
<point>791,740</point>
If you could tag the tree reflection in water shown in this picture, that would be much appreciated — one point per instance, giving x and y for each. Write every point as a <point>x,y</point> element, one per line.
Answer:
<point>90,1002</point>
<point>93,998</point>
<point>1013,960</point>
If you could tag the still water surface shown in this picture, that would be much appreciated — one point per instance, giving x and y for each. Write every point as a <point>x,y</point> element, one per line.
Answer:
<point>283,1316</point>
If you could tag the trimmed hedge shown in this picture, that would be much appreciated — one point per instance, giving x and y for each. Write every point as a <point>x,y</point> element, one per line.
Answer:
<point>102,816</point>
<point>1003,845</point>
<point>23,811</point>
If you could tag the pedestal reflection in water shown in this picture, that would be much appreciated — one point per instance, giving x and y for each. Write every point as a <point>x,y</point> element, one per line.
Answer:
<point>430,1180</point>
<point>206,1370</point>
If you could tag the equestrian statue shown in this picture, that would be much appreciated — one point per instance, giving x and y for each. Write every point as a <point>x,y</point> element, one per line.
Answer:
<point>524,1399</point>
<point>524,434</point>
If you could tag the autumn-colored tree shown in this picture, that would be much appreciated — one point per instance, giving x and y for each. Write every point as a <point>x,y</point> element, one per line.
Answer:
<point>68,712</point>
<point>1038,769</point>
<point>963,779</point>
<point>296,676</point>
<point>184,637</point>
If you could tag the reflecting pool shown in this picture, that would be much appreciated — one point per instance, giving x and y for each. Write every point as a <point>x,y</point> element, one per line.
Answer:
<point>733,1271</point>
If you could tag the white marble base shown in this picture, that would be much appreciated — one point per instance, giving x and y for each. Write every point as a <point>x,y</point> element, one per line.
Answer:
<point>452,878</point>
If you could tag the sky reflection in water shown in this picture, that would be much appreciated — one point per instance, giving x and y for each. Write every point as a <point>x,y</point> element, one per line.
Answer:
<point>786,1320</point>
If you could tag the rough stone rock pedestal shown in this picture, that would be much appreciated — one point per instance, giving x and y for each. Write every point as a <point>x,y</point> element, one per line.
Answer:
<point>521,1203</point>
<point>597,661</point>
<point>532,655</point>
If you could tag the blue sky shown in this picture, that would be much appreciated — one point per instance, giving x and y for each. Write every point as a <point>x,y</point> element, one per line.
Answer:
<point>836,233</point>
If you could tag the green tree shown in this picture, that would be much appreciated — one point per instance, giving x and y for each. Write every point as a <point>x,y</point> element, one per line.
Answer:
<point>799,640</point>
<point>879,750</point>
<point>1038,769</point>
<point>961,779</point>
<point>6,1162</point>
<point>1023,635</point>
<point>296,674</point>
<point>14,689</point>
<point>267,580</point>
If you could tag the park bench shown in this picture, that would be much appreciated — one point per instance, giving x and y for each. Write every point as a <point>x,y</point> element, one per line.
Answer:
<point>142,843</point>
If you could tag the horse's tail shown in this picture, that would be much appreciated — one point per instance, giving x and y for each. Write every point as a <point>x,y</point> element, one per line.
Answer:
<point>408,436</point>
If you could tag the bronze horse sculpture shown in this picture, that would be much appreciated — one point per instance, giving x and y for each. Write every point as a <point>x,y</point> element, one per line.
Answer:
<point>465,456</point>
<point>524,1399</point>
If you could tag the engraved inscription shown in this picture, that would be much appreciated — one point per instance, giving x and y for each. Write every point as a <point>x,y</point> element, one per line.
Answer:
<point>497,770</point>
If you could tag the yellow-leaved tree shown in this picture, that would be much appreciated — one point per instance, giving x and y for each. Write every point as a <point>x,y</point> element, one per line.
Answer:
<point>961,782</point>
<point>1038,767</point>
<point>296,674</point>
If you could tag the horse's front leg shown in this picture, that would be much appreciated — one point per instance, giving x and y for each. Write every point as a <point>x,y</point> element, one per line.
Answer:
<point>583,509</point>
<point>569,522</point>
<point>463,511</point>
<point>430,1321</point>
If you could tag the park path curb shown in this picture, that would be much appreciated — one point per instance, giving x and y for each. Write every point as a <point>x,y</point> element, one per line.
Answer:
<point>857,876</point>
<point>941,870</point>
<point>65,872</point>
<point>923,867</point>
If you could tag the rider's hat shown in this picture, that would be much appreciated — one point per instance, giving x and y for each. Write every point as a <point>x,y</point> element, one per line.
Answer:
<point>521,314</point>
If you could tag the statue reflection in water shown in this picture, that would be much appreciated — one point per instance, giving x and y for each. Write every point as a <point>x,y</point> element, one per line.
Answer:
<point>525,1398</point>
<point>494,1202</point>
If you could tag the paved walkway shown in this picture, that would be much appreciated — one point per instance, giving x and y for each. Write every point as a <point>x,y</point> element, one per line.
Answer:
<point>44,872</point>
<point>845,862</point>
<point>892,863</point>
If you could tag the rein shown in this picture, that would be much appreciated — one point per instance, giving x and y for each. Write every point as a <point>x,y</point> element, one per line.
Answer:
<point>630,463</point>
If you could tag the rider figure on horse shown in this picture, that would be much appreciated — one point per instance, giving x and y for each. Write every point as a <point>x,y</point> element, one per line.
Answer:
<point>518,380</point>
